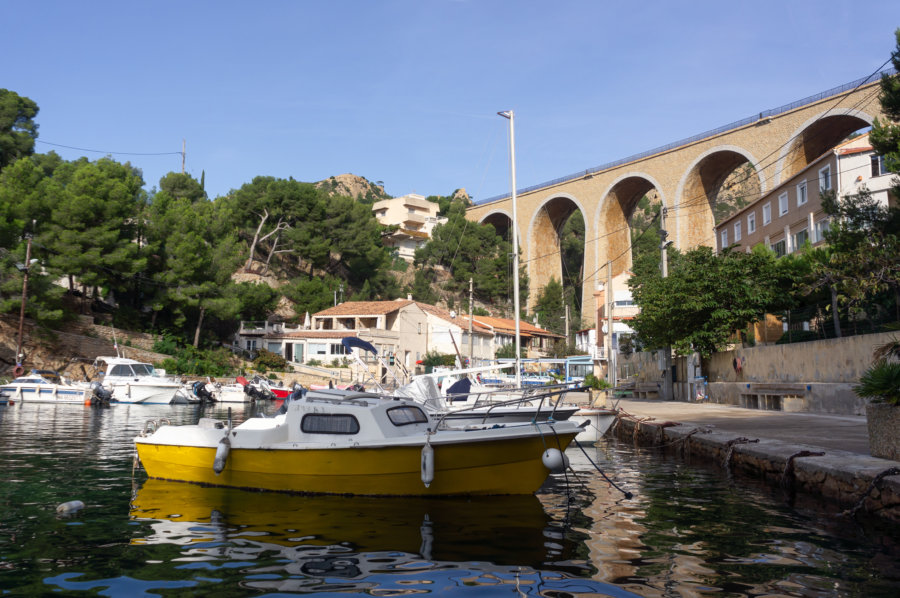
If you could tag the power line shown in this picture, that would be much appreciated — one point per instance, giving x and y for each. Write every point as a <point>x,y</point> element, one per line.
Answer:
<point>83,149</point>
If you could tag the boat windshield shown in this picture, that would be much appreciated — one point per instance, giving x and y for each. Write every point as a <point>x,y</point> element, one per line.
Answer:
<point>142,369</point>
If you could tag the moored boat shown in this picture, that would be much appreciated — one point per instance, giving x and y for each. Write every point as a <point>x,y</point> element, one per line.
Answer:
<point>340,442</point>
<point>597,419</point>
<point>134,381</point>
<point>45,386</point>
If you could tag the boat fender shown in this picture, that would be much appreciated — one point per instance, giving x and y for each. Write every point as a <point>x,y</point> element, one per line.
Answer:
<point>70,507</point>
<point>221,455</point>
<point>555,460</point>
<point>427,464</point>
<point>18,371</point>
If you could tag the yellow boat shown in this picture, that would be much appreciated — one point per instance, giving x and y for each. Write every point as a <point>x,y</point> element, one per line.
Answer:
<point>341,442</point>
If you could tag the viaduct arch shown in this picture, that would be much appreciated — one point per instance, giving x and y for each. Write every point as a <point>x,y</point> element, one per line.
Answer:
<point>686,177</point>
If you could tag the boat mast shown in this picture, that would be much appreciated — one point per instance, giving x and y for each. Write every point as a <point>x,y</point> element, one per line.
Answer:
<point>508,114</point>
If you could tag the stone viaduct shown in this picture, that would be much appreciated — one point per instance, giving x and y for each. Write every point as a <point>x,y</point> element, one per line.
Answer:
<point>686,176</point>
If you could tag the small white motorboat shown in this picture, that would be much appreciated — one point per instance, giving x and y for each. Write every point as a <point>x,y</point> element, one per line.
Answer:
<point>45,386</point>
<point>346,442</point>
<point>134,381</point>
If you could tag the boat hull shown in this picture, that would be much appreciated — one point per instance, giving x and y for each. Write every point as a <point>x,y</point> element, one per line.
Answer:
<point>598,422</point>
<point>500,466</point>
<point>149,394</point>
<point>42,394</point>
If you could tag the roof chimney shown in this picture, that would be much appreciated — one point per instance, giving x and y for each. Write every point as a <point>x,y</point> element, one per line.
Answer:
<point>409,296</point>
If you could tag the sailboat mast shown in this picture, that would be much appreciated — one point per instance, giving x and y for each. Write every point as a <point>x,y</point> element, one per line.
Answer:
<point>508,114</point>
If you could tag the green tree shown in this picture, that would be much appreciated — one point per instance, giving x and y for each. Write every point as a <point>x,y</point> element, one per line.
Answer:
<point>704,300</point>
<point>885,136</point>
<point>550,307</point>
<point>471,250</point>
<point>18,130</point>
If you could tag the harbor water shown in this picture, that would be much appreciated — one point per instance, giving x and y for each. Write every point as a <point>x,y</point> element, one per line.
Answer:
<point>688,530</point>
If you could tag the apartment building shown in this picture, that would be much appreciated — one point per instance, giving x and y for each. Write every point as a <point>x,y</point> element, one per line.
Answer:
<point>415,216</point>
<point>791,214</point>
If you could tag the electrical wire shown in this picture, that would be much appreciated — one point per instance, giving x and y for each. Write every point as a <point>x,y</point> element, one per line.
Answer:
<point>83,149</point>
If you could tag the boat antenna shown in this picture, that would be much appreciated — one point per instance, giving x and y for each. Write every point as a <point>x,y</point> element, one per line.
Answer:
<point>115,342</point>
<point>509,115</point>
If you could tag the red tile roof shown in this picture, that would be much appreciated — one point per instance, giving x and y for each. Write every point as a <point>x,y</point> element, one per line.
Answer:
<point>364,308</point>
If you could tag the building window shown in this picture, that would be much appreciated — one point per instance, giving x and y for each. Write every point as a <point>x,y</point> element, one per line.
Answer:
<point>878,166</point>
<point>821,227</point>
<point>251,344</point>
<point>801,194</point>
<point>778,248</point>
<point>767,214</point>
<point>724,243</point>
<point>800,237</point>
<point>737,231</point>
<point>751,223</point>
<point>782,204</point>
<point>825,179</point>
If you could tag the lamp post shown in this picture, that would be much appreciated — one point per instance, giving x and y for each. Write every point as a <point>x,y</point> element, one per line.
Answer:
<point>508,114</point>
<point>24,268</point>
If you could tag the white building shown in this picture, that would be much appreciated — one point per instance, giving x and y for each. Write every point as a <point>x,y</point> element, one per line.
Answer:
<point>415,216</point>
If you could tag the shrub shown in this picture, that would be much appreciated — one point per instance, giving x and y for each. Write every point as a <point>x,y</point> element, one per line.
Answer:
<point>266,360</point>
<point>880,383</point>
<point>596,383</point>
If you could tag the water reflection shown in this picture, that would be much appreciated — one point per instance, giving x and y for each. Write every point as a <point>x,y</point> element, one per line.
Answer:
<point>687,532</point>
<point>314,543</point>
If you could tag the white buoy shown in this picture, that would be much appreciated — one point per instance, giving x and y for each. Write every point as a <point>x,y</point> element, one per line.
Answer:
<point>70,507</point>
<point>555,460</point>
<point>221,455</point>
<point>427,464</point>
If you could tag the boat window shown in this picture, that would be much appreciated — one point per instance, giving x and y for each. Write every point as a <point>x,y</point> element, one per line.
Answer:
<point>122,369</point>
<point>319,423</point>
<point>142,369</point>
<point>401,416</point>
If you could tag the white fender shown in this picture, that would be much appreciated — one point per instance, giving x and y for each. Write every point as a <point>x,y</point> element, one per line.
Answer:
<point>221,455</point>
<point>555,460</point>
<point>70,507</point>
<point>427,464</point>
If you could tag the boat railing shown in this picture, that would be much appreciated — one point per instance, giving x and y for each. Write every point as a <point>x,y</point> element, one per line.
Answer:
<point>553,397</point>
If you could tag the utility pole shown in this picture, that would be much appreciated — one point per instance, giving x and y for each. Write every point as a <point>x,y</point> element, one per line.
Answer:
<point>19,357</point>
<point>182,155</point>
<point>667,393</point>
<point>610,301</point>
<point>566,316</point>
<point>471,338</point>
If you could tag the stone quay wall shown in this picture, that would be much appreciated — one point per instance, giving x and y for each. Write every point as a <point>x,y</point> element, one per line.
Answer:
<point>851,481</point>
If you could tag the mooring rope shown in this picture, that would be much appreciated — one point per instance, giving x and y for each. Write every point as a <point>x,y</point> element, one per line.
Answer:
<point>731,444</point>
<point>597,467</point>
<point>891,471</point>
<point>787,477</point>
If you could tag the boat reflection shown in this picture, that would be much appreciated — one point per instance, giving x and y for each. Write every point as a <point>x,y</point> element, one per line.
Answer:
<point>354,538</point>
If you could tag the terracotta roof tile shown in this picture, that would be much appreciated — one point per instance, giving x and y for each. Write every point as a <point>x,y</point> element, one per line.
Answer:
<point>364,308</point>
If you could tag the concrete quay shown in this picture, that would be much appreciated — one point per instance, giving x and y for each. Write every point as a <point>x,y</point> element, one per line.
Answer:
<point>821,455</point>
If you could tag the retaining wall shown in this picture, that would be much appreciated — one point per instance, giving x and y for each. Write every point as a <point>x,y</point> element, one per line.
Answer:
<point>846,479</point>
<point>814,376</point>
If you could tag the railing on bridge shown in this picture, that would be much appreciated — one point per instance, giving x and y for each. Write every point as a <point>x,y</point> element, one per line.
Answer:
<point>711,133</point>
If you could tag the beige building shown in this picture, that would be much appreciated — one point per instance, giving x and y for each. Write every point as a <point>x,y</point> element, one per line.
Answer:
<point>537,341</point>
<point>415,216</point>
<point>622,309</point>
<point>791,214</point>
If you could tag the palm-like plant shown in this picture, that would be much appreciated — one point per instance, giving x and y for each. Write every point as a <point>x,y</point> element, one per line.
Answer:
<point>881,382</point>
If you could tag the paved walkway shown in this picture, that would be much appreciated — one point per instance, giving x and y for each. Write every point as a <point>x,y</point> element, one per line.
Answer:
<point>836,432</point>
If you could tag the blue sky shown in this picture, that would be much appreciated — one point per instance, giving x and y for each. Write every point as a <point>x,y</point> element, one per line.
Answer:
<point>406,91</point>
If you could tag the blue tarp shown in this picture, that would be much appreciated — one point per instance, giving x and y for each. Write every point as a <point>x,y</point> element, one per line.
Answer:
<point>351,342</point>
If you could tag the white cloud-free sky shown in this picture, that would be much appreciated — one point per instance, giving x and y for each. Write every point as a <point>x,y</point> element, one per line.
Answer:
<point>406,91</point>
